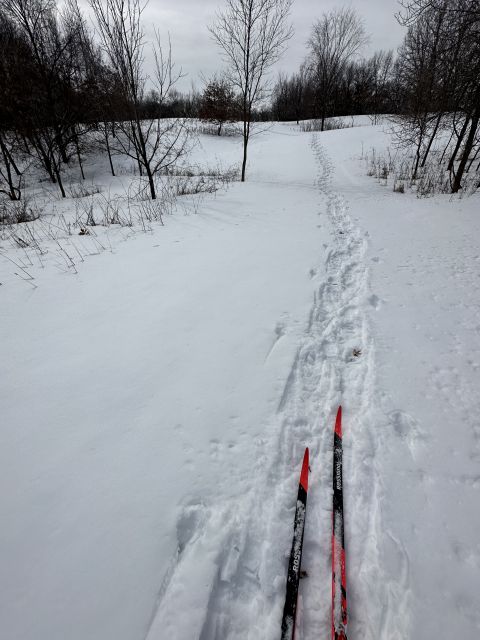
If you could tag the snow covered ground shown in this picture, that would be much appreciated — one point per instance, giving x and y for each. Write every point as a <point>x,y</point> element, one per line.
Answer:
<point>155,407</point>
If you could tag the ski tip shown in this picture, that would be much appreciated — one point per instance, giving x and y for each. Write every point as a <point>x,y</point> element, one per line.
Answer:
<point>338,422</point>
<point>304,474</point>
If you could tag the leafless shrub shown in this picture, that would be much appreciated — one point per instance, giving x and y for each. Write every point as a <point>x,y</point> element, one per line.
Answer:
<point>26,236</point>
<point>197,184</point>
<point>151,210</point>
<point>142,210</point>
<point>228,130</point>
<point>82,191</point>
<point>328,125</point>
<point>227,174</point>
<point>380,166</point>
<point>102,209</point>
<point>90,217</point>
<point>84,213</point>
<point>17,212</point>
<point>188,180</point>
<point>430,179</point>
<point>110,209</point>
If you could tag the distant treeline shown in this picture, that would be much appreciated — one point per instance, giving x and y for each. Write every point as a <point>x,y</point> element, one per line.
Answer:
<point>57,82</point>
<point>431,85</point>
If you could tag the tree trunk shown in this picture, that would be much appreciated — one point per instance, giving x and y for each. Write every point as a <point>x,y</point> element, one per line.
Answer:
<point>77,149</point>
<point>417,161</point>
<point>446,147</point>
<point>11,160</point>
<point>25,143</point>
<point>14,193</point>
<point>56,168</point>
<point>44,158</point>
<point>60,142</point>
<point>247,116</point>
<point>432,138</point>
<point>472,160</point>
<point>419,146</point>
<point>459,142</point>
<point>245,145</point>
<point>244,161</point>
<point>151,182</point>
<point>59,179</point>
<point>457,183</point>
<point>107,144</point>
<point>144,162</point>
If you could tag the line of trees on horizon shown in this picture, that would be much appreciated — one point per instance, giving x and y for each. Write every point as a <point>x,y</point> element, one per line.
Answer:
<point>58,83</point>
<point>431,86</point>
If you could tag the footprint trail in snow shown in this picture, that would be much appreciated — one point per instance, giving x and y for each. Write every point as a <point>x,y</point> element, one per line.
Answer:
<point>230,568</point>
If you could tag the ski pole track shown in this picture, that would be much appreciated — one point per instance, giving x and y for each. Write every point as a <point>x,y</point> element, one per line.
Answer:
<point>239,552</point>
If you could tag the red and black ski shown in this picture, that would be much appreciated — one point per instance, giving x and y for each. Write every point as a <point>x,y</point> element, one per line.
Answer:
<point>293,577</point>
<point>339,579</point>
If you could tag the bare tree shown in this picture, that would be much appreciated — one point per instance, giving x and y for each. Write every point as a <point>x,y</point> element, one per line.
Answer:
<point>468,36</point>
<point>380,67</point>
<point>252,35</point>
<point>51,40</point>
<point>419,66</point>
<point>8,168</point>
<point>14,53</point>
<point>335,39</point>
<point>438,69</point>
<point>154,144</point>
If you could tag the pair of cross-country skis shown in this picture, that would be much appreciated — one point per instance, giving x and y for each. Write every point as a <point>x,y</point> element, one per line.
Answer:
<point>339,582</point>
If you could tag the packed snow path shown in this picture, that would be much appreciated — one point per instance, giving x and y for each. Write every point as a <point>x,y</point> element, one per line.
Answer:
<point>157,405</point>
<point>245,562</point>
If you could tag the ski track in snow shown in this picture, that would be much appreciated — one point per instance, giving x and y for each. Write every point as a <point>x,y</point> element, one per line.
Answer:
<point>229,570</point>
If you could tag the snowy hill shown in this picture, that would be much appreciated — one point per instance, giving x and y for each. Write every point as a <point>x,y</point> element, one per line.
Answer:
<point>156,404</point>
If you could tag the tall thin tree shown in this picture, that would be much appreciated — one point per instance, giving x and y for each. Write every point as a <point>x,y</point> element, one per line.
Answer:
<point>336,37</point>
<point>152,143</point>
<point>252,35</point>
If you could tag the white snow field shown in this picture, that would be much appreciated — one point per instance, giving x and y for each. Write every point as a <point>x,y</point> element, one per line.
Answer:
<point>155,407</point>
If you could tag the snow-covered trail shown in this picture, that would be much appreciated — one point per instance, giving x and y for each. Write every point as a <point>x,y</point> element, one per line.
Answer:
<point>378,600</point>
<point>334,363</point>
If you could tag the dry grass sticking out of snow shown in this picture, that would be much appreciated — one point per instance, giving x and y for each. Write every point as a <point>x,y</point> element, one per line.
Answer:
<point>42,228</point>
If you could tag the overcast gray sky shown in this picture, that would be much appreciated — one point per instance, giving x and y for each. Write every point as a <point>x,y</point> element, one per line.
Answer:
<point>193,49</point>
